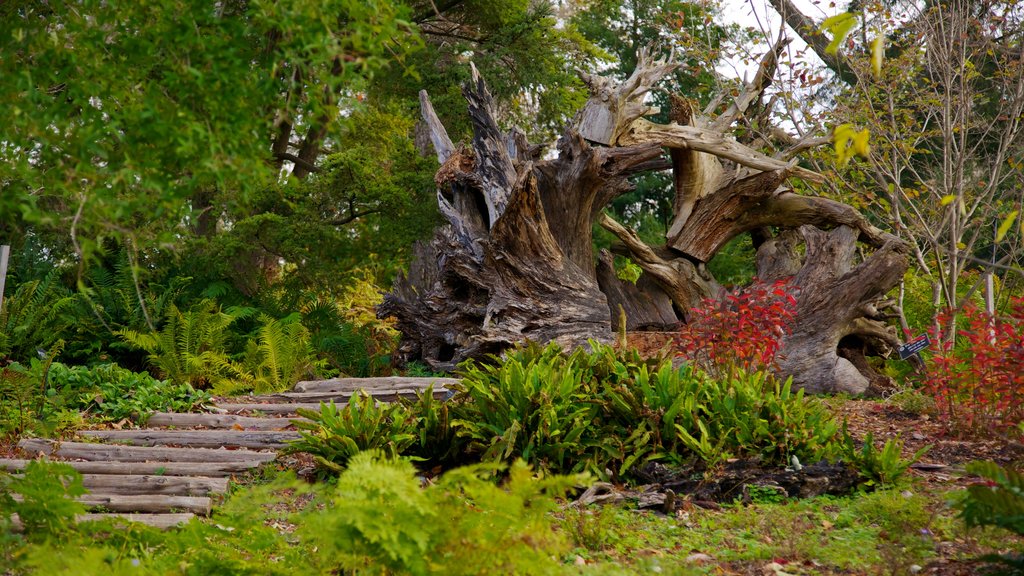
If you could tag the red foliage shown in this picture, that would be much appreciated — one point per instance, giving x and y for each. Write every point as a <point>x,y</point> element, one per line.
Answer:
<point>743,330</point>
<point>977,383</point>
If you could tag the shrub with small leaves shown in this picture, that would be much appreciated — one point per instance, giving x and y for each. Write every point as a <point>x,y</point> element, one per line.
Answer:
<point>743,330</point>
<point>977,382</point>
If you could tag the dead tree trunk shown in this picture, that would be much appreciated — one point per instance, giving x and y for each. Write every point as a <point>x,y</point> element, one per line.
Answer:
<point>516,262</point>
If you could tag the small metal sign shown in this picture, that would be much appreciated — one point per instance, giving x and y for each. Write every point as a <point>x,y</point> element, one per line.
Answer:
<point>914,346</point>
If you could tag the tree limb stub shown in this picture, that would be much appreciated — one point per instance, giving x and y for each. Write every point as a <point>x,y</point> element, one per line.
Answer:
<point>613,107</point>
<point>494,165</point>
<point>679,278</point>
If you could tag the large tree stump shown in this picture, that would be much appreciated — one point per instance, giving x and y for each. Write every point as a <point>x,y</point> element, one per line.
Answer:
<point>516,259</point>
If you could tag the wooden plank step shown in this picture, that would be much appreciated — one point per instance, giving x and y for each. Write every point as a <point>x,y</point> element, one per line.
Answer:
<point>197,438</point>
<point>190,420</point>
<point>274,409</point>
<point>107,452</point>
<point>147,484</point>
<point>146,503</point>
<point>159,521</point>
<point>207,469</point>
<point>372,385</point>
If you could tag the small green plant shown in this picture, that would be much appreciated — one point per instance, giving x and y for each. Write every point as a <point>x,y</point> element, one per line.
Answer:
<point>335,435</point>
<point>879,467</point>
<point>46,505</point>
<point>437,442</point>
<point>112,392</point>
<point>912,401</point>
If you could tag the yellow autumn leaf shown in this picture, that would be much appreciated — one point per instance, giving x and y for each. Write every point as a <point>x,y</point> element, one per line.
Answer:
<point>1005,226</point>
<point>839,26</point>
<point>947,199</point>
<point>860,142</point>
<point>877,52</point>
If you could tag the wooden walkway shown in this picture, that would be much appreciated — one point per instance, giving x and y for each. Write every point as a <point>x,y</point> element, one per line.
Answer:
<point>178,465</point>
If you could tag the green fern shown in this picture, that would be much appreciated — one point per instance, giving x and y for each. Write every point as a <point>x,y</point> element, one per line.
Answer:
<point>279,356</point>
<point>35,316</point>
<point>191,347</point>
<point>999,501</point>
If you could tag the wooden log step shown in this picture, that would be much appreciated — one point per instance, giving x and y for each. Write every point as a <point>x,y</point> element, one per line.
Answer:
<point>159,521</point>
<point>372,385</point>
<point>274,409</point>
<point>197,438</point>
<point>107,452</point>
<point>135,484</point>
<point>148,503</point>
<point>343,396</point>
<point>219,469</point>
<point>164,419</point>
<point>147,484</point>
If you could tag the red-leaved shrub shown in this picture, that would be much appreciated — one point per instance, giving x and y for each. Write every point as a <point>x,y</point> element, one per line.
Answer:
<point>744,330</point>
<point>977,381</point>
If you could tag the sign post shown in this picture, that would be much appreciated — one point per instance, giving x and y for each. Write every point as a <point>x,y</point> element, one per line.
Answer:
<point>914,347</point>
<point>5,251</point>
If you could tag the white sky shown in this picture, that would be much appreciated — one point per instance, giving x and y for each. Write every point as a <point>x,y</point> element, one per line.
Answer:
<point>759,15</point>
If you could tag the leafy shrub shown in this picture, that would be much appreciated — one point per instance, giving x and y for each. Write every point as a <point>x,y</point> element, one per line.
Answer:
<point>346,332</point>
<point>606,410</point>
<point>743,330</point>
<point>465,524</point>
<point>23,400</point>
<point>115,393</point>
<point>998,501</point>
<point>47,489</point>
<point>978,384</point>
<point>437,442</point>
<point>755,414</point>
<point>335,434</point>
<point>535,405</point>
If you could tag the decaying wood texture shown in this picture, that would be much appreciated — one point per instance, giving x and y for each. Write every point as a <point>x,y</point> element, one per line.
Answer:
<point>125,484</point>
<point>85,451</point>
<point>516,260</point>
<point>147,503</point>
<point>373,385</point>
<point>158,521</point>
<point>259,439</point>
<point>206,469</point>
<point>200,505</point>
<point>190,420</point>
<point>275,408</point>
